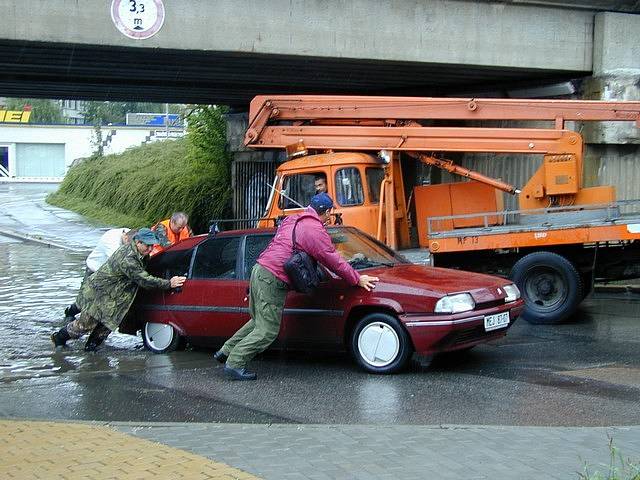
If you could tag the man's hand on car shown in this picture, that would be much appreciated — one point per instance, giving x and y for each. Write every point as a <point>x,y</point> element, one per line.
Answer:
<point>367,282</point>
<point>177,281</point>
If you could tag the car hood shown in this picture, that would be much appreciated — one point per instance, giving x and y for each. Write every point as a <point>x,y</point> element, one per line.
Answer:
<point>438,282</point>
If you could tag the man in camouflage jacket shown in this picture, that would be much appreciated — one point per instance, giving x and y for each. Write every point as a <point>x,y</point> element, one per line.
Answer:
<point>107,295</point>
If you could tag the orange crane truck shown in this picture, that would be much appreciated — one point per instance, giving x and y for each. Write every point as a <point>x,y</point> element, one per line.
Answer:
<point>562,237</point>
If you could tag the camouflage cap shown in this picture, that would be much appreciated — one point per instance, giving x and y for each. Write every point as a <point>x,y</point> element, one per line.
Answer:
<point>146,236</point>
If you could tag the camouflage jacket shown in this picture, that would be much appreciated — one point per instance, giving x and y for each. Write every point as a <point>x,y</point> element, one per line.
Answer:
<point>108,294</point>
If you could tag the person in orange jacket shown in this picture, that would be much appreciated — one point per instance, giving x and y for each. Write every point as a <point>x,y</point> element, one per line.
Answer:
<point>171,230</point>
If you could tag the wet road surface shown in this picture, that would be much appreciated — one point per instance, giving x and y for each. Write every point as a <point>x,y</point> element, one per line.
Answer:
<point>586,372</point>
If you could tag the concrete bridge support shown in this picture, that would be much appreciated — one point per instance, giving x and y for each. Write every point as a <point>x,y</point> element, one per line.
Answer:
<point>613,149</point>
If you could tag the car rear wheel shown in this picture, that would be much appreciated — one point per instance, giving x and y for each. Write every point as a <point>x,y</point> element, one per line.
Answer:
<point>160,337</point>
<point>380,344</point>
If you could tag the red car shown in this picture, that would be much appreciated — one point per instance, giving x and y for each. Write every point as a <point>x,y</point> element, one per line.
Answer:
<point>413,308</point>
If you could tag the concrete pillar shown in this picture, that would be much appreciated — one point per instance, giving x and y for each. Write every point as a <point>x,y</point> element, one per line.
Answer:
<point>612,155</point>
<point>616,74</point>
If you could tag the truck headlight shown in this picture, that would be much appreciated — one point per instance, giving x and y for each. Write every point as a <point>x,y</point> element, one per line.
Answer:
<point>513,293</point>
<point>460,302</point>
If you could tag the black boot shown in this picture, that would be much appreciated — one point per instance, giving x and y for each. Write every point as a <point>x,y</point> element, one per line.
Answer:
<point>97,336</point>
<point>220,356</point>
<point>60,338</point>
<point>239,373</point>
<point>71,311</point>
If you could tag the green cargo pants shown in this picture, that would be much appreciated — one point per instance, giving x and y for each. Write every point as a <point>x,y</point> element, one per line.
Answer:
<point>267,295</point>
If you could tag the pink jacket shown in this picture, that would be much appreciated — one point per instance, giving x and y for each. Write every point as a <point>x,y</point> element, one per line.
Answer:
<point>312,238</point>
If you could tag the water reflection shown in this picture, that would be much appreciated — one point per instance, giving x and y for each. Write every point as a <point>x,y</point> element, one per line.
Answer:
<point>36,283</point>
<point>379,398</point>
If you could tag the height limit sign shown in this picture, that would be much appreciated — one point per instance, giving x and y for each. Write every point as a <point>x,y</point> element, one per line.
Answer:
<point>138,19</point>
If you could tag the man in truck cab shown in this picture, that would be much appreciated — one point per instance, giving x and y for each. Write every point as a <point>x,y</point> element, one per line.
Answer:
<point>321,184</point>
<point>269,283</point>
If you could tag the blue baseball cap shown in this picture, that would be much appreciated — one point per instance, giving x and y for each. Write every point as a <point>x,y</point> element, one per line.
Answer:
<point>146,236</point>
<point>321,202</point>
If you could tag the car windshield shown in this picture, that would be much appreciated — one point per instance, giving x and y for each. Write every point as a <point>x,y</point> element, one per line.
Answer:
<point>362,251</point>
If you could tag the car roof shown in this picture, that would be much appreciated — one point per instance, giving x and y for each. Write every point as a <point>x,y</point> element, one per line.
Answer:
<point>197,239</point>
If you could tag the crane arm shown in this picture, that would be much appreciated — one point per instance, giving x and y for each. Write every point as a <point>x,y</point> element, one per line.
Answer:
<point>356,109</point>
<point>424,139</point>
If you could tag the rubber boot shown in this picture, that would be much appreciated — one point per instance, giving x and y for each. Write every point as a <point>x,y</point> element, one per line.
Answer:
<point>71,311</point>
<point>96,338</point>
<point>60,338</point>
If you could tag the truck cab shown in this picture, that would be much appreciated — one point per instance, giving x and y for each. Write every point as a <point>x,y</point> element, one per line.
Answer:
<point>353,180</point>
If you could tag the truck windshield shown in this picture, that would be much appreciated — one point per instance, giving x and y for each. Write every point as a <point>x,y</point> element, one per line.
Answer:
<point>362,251</point>
<point>299,188</point>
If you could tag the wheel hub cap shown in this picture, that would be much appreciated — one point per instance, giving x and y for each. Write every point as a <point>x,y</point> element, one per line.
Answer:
<point>378,344</point>
<point>159,335</point>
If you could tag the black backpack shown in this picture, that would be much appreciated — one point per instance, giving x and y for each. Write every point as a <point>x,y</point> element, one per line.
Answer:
<point>301,268</point>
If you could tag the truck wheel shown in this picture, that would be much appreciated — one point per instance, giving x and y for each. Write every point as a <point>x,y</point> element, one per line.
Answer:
<point>380,344</point>
<point>550,285</point>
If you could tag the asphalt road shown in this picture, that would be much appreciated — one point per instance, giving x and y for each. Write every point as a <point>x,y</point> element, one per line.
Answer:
<point>585,373</point>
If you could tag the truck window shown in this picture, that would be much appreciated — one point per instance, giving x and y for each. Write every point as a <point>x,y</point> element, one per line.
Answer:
<point>299,187</point>
<point>374,180</point>
<point>349,187</point>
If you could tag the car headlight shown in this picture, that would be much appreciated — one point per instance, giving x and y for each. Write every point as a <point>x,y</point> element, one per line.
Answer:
<point>513,293</point>
<point>460,302</point>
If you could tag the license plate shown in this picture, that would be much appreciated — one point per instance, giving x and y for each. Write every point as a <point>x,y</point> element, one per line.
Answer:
<point>493,322</point>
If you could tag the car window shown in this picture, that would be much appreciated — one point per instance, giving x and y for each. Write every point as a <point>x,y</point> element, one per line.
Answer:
<point>299,188</point>
<point>216,258</point>
<point>254,246</point>
<point>171,263</point>
<point>349,187</point>
<point>374,180</point>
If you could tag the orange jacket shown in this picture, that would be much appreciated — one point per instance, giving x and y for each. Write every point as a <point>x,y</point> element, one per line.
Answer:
<point>165,232</point>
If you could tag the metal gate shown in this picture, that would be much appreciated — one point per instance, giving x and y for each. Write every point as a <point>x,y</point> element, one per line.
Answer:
<point>250,181</point>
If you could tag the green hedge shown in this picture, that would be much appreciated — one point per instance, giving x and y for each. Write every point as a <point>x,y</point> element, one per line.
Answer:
<point>146,184</point>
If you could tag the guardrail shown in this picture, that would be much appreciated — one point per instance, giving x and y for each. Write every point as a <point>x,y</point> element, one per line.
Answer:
<point>549,216</point>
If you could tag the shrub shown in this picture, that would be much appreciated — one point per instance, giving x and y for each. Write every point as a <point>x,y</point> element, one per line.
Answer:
<point>146,184</point>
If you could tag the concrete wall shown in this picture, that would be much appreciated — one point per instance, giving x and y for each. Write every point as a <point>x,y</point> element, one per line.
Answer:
<point>439,31</point>
<point>78,141</point>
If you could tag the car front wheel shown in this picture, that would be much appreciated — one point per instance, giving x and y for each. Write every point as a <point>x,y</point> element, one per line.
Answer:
<point>380,344</point>
<point>160,337</point>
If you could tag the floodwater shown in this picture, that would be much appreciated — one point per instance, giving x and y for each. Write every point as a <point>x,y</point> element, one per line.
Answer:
<point>36,284</point>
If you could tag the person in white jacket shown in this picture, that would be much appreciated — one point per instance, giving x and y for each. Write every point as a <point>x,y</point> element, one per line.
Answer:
<point>109,242</point>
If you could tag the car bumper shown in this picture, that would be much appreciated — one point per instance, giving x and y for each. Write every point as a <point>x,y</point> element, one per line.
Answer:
<point>443,333</point>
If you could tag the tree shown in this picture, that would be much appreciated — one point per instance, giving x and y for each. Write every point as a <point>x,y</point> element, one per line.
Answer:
<point>42,110</point>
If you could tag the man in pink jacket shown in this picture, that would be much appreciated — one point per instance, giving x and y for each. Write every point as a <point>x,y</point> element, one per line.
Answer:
<point>269,284</point>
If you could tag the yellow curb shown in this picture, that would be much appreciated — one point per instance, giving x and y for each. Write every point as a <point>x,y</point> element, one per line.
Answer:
<point>50,450</point>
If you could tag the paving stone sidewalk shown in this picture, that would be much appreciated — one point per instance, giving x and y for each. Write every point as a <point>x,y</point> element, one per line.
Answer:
<point>363,452</point>
<point>48,450</point>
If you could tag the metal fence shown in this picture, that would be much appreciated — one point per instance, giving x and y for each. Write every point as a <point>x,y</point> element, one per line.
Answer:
<point>251,182</point>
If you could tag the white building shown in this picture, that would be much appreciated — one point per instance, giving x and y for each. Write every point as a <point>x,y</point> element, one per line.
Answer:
<point>73,111</point>
<point>44,153</point>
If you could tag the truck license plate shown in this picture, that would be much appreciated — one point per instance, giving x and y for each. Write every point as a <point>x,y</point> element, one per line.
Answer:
<point>493,322</point>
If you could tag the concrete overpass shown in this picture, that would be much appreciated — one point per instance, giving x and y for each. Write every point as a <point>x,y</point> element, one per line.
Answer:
<point>226,51</point>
